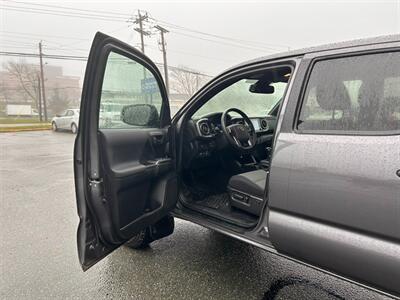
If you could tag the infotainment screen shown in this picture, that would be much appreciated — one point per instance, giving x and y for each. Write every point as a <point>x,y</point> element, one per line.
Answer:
<point>256,124</point>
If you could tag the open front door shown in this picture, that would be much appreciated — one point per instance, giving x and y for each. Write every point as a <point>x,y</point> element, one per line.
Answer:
<point>124,176</point>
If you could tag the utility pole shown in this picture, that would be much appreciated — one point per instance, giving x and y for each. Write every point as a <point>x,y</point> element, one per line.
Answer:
<point>197,81</point>
<point>42,80</point>
<point>39,98</point>
<point>164,51</point>
<point>139,20</point>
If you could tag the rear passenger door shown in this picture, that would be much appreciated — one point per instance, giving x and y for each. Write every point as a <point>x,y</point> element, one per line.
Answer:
<point>335,174</point>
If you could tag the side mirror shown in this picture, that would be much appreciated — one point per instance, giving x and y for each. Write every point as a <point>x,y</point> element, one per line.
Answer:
<point>261,88</point>
<point>140,115</point>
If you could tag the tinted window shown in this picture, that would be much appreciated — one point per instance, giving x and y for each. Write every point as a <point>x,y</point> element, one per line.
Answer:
<point>126,82</point>
<point>360,93</point>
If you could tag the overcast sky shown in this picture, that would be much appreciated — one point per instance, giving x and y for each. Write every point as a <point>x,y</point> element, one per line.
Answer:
<point>249,28</point>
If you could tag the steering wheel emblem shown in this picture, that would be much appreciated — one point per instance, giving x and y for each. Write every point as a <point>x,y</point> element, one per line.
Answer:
<point>240,136</point>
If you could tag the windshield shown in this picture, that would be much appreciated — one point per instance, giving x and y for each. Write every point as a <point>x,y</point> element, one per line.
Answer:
<point>238,96</point>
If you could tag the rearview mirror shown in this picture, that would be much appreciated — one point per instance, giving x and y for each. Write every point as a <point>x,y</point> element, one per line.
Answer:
<point>140,115</point>
<point>261,88</point>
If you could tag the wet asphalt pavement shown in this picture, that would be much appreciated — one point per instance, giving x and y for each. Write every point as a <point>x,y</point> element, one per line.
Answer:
<point>38,257</point>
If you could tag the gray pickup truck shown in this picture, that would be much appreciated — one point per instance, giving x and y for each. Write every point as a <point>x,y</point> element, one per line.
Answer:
<point>297,153</point>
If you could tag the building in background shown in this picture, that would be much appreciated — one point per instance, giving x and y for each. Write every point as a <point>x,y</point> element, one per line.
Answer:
<point>19,85</point>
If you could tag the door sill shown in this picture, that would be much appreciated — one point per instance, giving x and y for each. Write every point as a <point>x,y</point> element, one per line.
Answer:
<point>256,236</point>
<point>222,212</point>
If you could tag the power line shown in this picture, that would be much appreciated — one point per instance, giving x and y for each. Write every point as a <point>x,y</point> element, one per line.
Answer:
<point>71,8</point>
<point>64,14</point>
<point>7,41</point>
<point>22,35</point>
<point>29,34</point>
<point>51,88</point>
<point>110,16</point>
<point>17,46</point>
<point>66,48</point>
<point>49,56</point>
<point>8,46</point>
<point>270,46</point>
<point>82,58</point>
<point>191,54</point>
<point>221,42</point>
<point>64,10</point>
<point>80,42</point>
<point>21,40</point>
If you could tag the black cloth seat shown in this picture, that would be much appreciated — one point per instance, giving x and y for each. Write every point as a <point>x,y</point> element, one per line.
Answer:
<point>251,183</point>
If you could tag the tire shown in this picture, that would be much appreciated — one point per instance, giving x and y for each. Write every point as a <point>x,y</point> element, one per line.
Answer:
<point>139,241</point>
<point>159,230</point>
<point>54,126</point>
<point>74,128</point>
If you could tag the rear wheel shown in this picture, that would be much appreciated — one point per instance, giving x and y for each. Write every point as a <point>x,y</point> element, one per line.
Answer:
<point>74,128</point>
<point>54,126</point>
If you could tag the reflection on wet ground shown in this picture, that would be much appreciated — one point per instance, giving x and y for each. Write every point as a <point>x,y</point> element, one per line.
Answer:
<point>38,257</point>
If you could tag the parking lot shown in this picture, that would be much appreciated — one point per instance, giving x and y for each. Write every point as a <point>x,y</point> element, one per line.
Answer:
<point>38,257</point>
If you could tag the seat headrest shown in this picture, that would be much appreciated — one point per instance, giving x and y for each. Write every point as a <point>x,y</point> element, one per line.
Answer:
<point>368,94</point>
<point>333,95</point>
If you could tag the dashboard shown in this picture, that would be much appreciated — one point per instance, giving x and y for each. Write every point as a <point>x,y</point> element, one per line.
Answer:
<point>203,137</point>
<point>210,126</point>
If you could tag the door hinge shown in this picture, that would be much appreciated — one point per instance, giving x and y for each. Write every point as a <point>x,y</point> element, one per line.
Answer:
<point>96,188</point>
<point>94,183</point>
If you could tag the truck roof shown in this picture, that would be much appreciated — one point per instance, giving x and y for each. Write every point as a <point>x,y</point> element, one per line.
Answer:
<point>326,47</point>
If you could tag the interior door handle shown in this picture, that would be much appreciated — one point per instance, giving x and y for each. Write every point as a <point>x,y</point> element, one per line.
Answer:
<point>157,138</point>
<point>160,165</point>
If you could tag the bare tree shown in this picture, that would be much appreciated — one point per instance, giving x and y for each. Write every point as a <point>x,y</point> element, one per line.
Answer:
<point>27,77</point>
<point>4,91</point>
<point>186,81</point>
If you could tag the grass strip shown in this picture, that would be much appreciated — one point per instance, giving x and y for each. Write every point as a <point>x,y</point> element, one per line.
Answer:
<point>25,128</point>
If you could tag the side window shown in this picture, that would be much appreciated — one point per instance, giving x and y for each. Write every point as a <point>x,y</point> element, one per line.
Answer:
<point>70,113</point>
<point>360,93</point>
<point>130,95</point>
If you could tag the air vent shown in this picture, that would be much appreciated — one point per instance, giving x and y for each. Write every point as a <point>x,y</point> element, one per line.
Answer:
<point>204,129</point>
<point>264,124</point>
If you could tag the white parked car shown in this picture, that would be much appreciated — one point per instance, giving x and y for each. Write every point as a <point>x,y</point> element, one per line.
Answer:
<point>68,120</point>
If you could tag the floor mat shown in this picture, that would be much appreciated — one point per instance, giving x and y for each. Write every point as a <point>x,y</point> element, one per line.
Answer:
<point>216,201</point>
<point>218,206</point>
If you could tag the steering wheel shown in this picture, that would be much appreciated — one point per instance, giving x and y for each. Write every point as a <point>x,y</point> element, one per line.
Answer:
<point>240,136</point>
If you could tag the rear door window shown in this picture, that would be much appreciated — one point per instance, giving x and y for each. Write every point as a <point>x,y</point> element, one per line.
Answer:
<point>353,94</point>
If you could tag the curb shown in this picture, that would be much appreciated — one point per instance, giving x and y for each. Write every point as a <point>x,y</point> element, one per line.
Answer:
<point>5,130</point>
